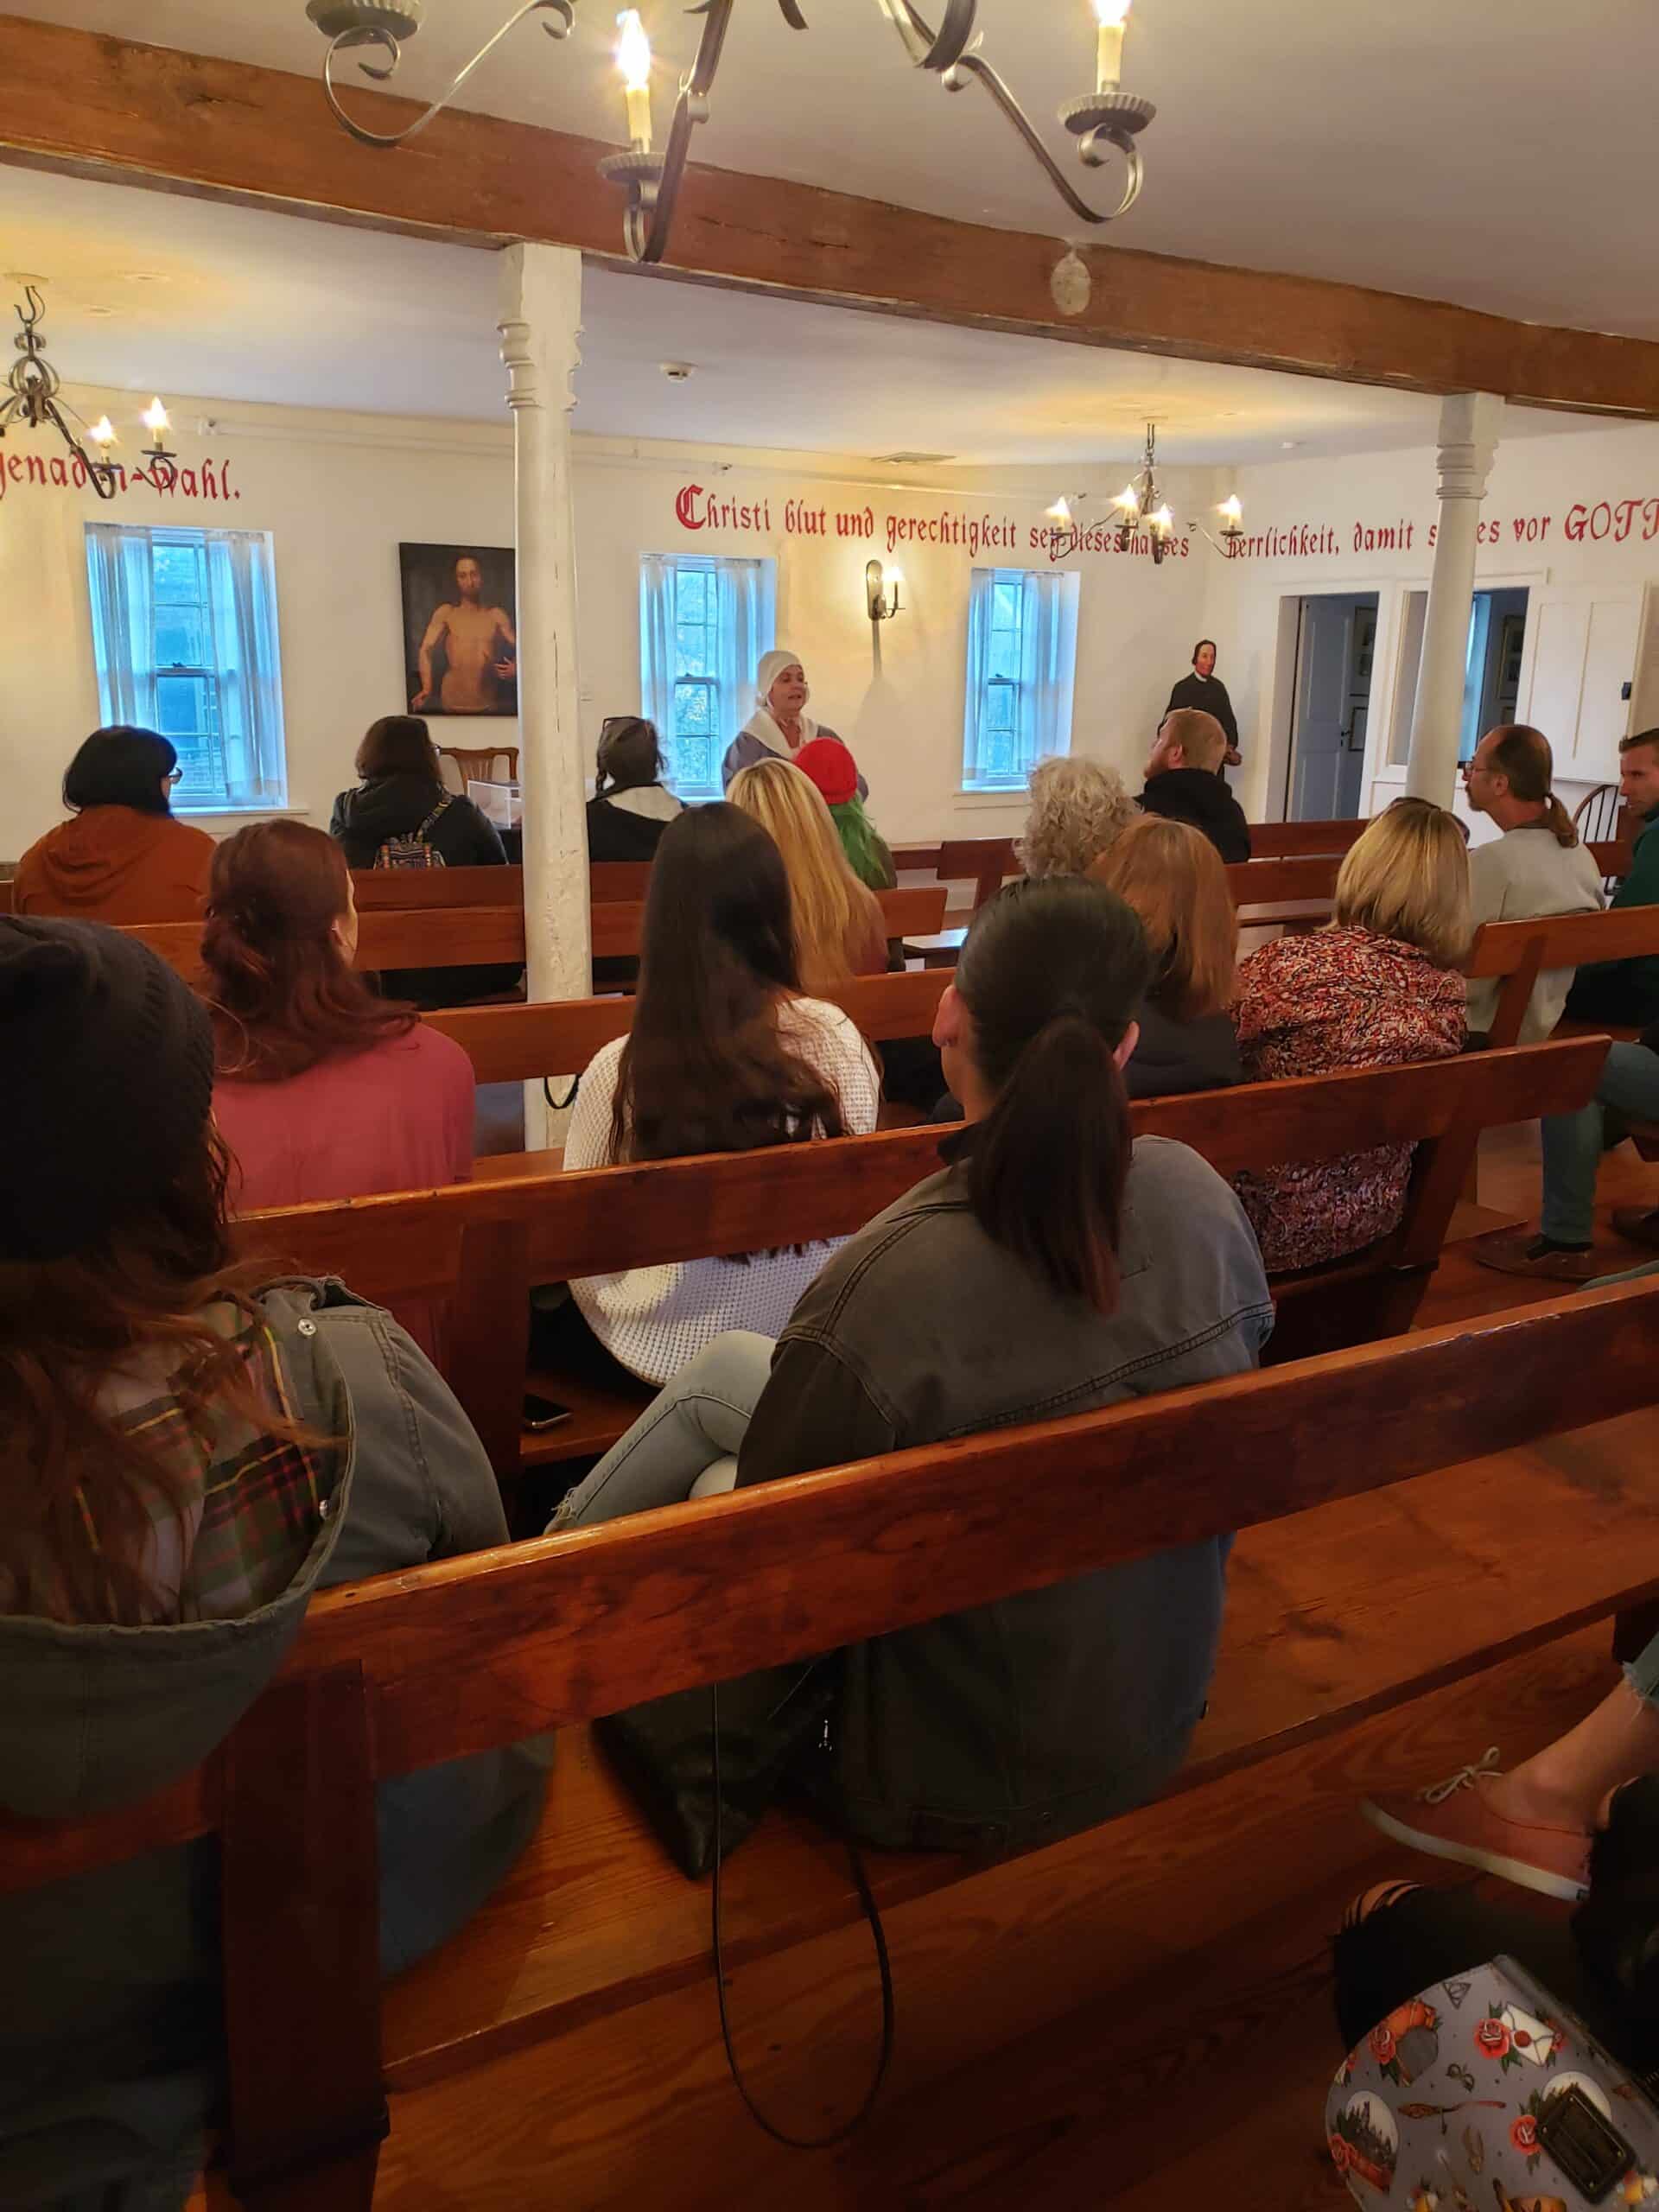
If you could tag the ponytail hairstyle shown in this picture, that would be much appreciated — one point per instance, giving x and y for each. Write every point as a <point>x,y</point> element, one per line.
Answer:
<point>630,755</point>
<point>1521,755</point>
<point>1052,976</point>
<point>281,993</point>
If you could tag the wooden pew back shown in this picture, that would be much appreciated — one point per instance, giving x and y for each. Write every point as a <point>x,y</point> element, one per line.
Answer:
<point>1521,952</point>
<point>482,1245</point>
<point>436,934</point>
<point>398,1674</point>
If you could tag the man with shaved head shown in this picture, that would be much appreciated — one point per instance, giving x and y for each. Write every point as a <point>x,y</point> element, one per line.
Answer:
<point>1183,785</point>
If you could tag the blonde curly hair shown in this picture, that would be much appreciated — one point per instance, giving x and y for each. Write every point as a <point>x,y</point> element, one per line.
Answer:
<point>1077,808</point>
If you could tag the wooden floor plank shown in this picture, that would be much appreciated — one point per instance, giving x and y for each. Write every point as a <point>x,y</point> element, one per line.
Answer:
<point>638,2110</point>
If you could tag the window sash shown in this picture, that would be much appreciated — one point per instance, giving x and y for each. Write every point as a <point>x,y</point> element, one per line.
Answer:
<point>725,640</point>
<point>1011,721</point>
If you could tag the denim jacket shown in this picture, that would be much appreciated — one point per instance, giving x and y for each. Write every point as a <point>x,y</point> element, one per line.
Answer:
<point>1023,1720</point>
<point>110,2040</point>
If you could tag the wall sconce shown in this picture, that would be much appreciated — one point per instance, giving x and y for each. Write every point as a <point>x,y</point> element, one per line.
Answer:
<point>881,591</point>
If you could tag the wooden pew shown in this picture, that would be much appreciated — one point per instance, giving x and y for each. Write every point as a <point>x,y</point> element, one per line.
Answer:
<point>437,935</point>
<point>479,1246</point>
<point>398,1674</point>
<point>1520,951</point>
<point>511,1044</point>
<point>1283,841</point>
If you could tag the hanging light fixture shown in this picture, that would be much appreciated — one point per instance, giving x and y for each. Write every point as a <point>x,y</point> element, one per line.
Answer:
<point>1105,122</point>
<point>34,384</point>
<point>1143,511</point>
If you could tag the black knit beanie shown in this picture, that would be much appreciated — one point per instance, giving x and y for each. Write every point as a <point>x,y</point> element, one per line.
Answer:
<point>106,1077</point>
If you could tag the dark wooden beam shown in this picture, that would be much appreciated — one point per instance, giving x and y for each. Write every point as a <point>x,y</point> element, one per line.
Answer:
<point>73,101</point>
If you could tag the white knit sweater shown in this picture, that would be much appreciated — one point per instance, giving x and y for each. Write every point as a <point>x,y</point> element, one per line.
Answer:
<point>654,1319</point>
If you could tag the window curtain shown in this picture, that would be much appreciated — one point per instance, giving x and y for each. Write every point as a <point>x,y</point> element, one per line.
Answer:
<point>117,570</point>
<point>1048,658</point>
<point>746,599</point>
<point>247,652</point>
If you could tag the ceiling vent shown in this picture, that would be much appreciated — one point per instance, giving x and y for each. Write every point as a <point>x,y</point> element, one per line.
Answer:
<point>912,460</point>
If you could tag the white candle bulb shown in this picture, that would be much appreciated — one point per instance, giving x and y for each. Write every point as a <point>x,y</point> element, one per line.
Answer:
<point>895,585</point>
<point>1163,520</point>
<point>102,432</point>
<point>1113,15</point>
<point>1060,513</point>
<point>1126,501</point>
<point>634,59</point>
<point>1229,510</point>
<point>154,418</point>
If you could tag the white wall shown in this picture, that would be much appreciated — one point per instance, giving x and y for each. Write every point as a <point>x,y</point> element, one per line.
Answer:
<point>1365,524</point>
<point>340,492</point>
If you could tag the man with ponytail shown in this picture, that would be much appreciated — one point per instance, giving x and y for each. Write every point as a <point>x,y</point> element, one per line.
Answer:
<point>1537,866</point>
<point>1052,1266</point>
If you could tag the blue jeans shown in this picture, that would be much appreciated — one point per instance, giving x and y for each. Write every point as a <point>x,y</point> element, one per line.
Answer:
<point>1574,1143</point>
<point>685,1444</point>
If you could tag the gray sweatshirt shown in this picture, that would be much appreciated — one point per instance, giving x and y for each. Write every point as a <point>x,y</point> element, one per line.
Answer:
<point>1522,873</point>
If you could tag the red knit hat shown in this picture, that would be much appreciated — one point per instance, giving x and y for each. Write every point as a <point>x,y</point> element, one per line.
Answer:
<point>831,767</point>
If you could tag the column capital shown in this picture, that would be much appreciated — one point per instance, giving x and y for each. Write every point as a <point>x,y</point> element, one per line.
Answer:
<point>1468,440</point>
<point>540,324</point>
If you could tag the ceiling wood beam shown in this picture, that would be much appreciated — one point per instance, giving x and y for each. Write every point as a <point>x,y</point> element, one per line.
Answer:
<point>76,102</point>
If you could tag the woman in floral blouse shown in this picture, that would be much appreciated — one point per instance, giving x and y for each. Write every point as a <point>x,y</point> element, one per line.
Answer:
<point>1377,989</point>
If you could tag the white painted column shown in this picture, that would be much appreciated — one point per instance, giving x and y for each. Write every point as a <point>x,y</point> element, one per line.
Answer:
<point>540,326</point>
<point>1469,424</point>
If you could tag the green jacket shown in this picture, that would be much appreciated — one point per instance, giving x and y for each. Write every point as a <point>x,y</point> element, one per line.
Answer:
<point>1625,991</point>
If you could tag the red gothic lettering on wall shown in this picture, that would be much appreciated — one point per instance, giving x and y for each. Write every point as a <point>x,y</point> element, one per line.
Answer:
<point>207,480</point>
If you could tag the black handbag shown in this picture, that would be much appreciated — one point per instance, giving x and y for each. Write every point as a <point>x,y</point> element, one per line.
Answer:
<point>769,1722</point>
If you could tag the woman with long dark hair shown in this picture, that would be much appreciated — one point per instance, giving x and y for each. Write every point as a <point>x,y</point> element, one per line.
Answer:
<point>1052,1266</point>
<point>323,1091</point>
<point>724,1054</point>
<point>189,1448</point>
<point>123,856</point>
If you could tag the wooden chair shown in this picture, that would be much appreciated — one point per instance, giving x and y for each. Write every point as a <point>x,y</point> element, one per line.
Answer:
<point>450,1661</point>
<point>474,764</point>
<point>480,1246</point>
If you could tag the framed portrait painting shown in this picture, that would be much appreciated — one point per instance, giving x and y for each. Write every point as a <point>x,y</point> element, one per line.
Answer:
<point>460,636</point>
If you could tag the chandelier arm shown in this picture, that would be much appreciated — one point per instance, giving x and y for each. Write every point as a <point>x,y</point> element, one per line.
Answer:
<point>929,49</point>
<point>647,242</point>
<point>974,65</point>
<point>393,49</point>
<point>101,472</point>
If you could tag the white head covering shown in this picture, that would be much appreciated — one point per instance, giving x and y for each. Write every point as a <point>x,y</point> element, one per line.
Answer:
<point>760,725</point>
<point>772,665</point>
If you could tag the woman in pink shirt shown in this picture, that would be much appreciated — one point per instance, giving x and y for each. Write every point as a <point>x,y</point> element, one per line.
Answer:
<point>322,1089</point>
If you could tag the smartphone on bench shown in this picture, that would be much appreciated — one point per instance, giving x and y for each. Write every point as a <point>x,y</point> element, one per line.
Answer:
<point>542,1414</point>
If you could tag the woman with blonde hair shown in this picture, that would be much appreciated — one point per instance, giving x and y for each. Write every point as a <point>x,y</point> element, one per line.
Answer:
<point>1172,876</point>
<point>1077,808</point>
<point>1378,988</point>
<point>837,922</point>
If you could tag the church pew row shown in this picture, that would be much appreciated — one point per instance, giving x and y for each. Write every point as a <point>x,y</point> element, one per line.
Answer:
<point>443,936</point>
<point>1520,951</point>
<point>477,1248</point>
<point>400,1674</point>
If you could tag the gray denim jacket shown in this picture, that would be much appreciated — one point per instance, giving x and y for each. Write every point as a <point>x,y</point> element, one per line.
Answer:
<point>1017,1722</point>
<point>109,2040</point>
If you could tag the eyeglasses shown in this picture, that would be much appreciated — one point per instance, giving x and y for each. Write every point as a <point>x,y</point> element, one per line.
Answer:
<point>174,775</point>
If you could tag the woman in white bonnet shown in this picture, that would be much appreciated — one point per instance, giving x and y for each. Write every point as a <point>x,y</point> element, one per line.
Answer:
<point>780,726</point>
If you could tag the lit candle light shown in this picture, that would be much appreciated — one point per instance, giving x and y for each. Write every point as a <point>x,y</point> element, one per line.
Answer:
<point>1163,521</point>
<point>1126,501</point>
<point>154,419</point>
<point>634,59</point>
<point>102,433</point>
<point>1230,512</point>
<point>1060,513</point>
<point>895,585</point>
<point>1113,14</point>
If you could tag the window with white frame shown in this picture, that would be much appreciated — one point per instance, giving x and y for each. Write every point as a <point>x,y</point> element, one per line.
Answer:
<point>704,623</point>
<point>1022,660</point>
<point>184,629</point>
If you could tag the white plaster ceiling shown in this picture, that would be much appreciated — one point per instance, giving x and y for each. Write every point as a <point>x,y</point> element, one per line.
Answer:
<point>1494,152</point>
<point>148,291</point>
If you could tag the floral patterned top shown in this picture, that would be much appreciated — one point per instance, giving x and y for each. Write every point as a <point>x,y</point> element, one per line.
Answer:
<point>1339,998</point>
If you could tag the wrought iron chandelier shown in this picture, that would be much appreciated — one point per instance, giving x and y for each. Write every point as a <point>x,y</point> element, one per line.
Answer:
<point>34,384</point>
<point>1105,121</point>
<point>1143,514</point>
